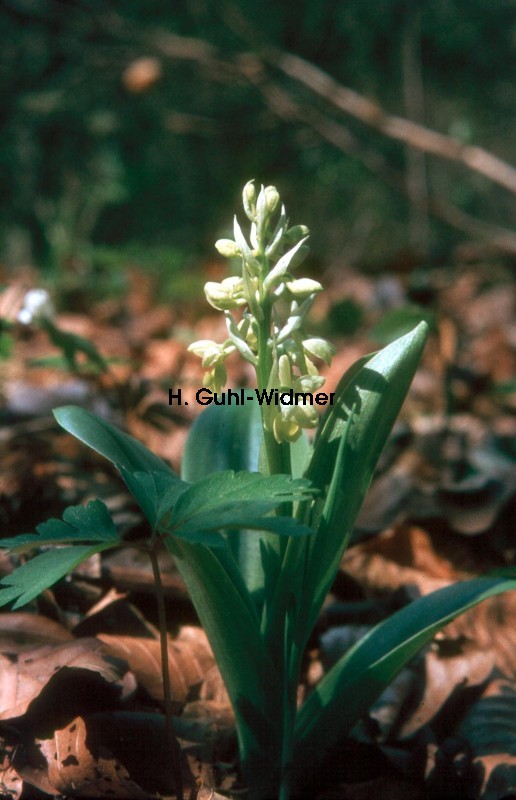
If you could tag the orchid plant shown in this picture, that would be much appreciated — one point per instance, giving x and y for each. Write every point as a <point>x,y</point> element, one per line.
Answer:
<point>260,517</point>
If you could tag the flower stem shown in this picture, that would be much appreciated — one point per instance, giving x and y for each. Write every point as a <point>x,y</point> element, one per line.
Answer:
<point>172,743</point>
<point>277,454</point>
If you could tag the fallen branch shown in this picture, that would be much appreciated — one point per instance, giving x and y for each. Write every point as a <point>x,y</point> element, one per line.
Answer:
<point>283,105</point>
<point>410,133</point>
<point>252,68</point>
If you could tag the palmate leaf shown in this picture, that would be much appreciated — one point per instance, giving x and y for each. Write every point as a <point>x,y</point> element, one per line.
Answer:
<point>234,500</point>
<point>155,492</point>
<point>90,528</point>
<point>32,578</point>
<point>240,498</point>
<point>220,501</point>
<point>90,523</point>
<point>220,596</point>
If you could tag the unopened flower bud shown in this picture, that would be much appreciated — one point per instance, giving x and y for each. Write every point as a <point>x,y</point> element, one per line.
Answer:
<point>285,372</point>
<point>228,248</point>
<point>249,200</point>
<point>271,198</point>
<point>295,233</point>
<point>303,287</point>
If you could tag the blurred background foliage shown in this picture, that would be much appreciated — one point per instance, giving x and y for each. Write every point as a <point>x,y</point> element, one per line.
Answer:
<point>129,127</point>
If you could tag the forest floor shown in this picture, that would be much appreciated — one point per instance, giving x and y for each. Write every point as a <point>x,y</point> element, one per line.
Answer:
<point>80,678</point>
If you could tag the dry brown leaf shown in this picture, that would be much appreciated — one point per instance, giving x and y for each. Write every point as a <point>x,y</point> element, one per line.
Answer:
<point>73,770</point>
<point>445,672</point>
<point>16,690</point>
<point>22,681</point>
<point>207,793</point>
<point>492,626</point>
<point>21,631</point>
<point>405,555</point>
<point>477,759</point>
<point>11,785</point>
<point>208,731</point>
<point>213,687</point>
<point>112,753</point>
<point>402,555</point>
<point>189,658</point>
<point>114,613</point>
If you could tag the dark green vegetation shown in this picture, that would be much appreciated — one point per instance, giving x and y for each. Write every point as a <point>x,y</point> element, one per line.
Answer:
<point>102,164</point>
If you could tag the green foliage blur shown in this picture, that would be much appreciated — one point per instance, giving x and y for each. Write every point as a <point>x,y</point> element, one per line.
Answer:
<point>96,166</point>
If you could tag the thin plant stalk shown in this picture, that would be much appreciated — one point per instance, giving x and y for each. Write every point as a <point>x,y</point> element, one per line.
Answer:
<point>172,742</point>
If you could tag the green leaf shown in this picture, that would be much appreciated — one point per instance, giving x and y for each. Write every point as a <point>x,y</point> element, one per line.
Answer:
<point>246,667</point>
<point>361,675</point>
<point>32,578</point>
<point>368,400</point>
<point>118,447</point>
<point>234,500</point>
<point>71,345</point>
<point>222,438</point>
<point>6,344</point>
<point>223,500</point>
<point>230,437</point>
<point>90,523</point>
<point>155,492</point>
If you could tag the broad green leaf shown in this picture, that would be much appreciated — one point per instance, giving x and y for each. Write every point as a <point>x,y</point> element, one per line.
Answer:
<point>118,447</point>
<point>247,669</point>
<point>230,437</point>
<point>234,500</point>
<point>222,438</point>
<point>367,403</point>
<point>361,675</point>
<point>32,578</point>
<point>90,523</point>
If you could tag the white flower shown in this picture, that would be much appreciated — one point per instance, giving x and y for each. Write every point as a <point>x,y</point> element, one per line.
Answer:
<point>226,295</point>
<point>36,305</point>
